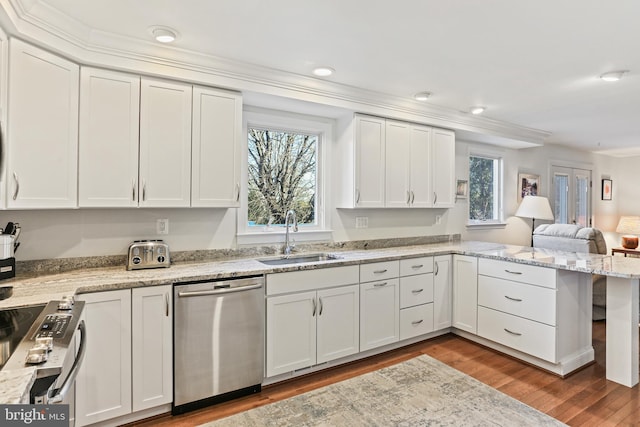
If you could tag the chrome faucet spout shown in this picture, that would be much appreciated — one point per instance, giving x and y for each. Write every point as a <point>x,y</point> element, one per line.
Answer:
<point>288,246</point>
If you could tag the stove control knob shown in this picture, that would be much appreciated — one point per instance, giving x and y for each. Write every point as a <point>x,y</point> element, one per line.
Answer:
<point>37,354</point>
<point>46,342</point>
<point>66,303</point>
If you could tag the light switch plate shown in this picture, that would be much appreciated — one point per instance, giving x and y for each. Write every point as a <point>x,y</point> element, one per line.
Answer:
<point>162,226</point>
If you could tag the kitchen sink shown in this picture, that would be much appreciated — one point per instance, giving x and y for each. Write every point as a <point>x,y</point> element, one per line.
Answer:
<point>298,259</point>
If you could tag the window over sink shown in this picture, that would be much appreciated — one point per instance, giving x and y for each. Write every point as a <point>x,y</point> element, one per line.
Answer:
<point>284,169</point>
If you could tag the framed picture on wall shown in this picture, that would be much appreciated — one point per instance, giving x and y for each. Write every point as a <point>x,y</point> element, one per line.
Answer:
<point>462,189</point>
<point>528,185</point>
<point>607,189</point>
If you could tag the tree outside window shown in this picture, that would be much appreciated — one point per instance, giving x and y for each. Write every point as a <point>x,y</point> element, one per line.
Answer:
<point>484,189</point>
<point>282,168</point>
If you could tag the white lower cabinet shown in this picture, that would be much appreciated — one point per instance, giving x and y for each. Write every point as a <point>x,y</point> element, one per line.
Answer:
<point>442,295</point>
<point>379,304</point>
<point>416,297</point>
<point>128,361</point>
<point>465,293</point>
<point>314,326</point>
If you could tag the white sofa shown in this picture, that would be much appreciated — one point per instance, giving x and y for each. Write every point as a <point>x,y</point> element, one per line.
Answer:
<point>574,238</point>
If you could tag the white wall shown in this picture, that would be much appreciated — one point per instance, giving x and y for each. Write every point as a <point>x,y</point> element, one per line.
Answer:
<point>88,232</point>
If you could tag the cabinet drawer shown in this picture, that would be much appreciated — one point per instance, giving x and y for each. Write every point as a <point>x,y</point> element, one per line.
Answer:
<point>306,280</point>
<point>524,273</point>
<point>409,267</point>
<point>379,271</point>
<point>416,321</point>
<point>528,301</point>
<point>416,290</point>
<point>524,335</point>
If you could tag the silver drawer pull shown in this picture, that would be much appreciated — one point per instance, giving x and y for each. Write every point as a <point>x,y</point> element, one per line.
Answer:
<point>380,271</point>
<point>417,322</point>
<point>417,291</point>
<point>417,266</point>
<point>379,285</point>
<point>512,333</point>
<point>513,272</point>
<point>512,299</point>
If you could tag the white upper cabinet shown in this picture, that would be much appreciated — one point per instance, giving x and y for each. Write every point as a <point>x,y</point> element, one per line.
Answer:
<point>165,143</point>
<point>407,167</point>
<point>444,155</point>
<point>109,129</point>
<point>42,157</point>
<point>369,162</point>
<point>217,138</point>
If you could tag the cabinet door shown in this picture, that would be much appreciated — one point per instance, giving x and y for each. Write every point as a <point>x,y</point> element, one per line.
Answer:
<point>152,346</point>
<point>443,162</point>
<point>369,159</point>
<point>291,332</point>
<point>42,160</point>
<point>379,313</point>
<point>465,293</point>
<point>420,166</point>
<point>397,164</point>
<point>109,130</point>
<point>338,320</point>
<point>103,384</point>
<point>217,130</point>
<point>165,144</point>
<point>442,298</point>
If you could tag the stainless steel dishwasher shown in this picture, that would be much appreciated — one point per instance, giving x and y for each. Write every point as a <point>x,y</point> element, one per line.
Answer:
<point>218,341</point>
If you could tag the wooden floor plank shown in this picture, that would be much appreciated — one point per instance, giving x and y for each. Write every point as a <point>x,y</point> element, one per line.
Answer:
<point>585,398</point>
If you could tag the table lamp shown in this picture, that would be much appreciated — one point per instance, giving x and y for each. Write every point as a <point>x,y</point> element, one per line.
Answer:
<point>534,207</point>
<point>629,226</point>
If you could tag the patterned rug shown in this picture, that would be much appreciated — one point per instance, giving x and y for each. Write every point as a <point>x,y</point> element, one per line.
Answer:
<point>418,392</point>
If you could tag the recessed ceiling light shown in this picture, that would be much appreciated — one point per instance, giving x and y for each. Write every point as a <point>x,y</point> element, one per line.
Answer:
<point>613,76</point>
<point>323,71</point>
<point>163,34</point>
<point>477,109</point>
<point>422,96</point>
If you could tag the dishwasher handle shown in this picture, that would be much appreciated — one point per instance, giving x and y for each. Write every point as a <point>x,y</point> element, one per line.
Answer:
<point>218,291</point>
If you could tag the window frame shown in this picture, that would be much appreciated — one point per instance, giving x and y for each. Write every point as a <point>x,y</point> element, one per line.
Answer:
<point>498,189</point>
<point>291,122</point>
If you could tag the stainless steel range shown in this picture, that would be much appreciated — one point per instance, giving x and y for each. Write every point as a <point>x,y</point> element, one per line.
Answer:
<point>50,346</point>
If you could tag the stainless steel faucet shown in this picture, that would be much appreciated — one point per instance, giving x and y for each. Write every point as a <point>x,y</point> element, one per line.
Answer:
<point>288,245</point>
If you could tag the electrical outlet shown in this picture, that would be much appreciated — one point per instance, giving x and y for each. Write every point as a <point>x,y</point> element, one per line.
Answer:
<point>162,226</point>
<point>438,219</point>
<point>362,222</point>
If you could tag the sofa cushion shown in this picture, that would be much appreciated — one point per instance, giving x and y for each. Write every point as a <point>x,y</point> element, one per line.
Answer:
<point>569,237</point>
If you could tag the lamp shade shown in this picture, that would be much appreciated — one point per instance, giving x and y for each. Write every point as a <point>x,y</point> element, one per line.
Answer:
<point>536,207</point>
<point>629,225</point>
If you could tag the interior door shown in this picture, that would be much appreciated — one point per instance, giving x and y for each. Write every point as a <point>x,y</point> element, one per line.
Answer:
<point>571,195</point>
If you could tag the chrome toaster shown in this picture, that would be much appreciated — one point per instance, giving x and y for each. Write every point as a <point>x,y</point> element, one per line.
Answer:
<point>148,254</point>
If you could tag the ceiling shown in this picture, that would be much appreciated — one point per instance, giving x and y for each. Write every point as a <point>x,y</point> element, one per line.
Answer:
<point>531,63</point>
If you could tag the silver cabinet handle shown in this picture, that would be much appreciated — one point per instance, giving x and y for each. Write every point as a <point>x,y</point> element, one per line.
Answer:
<point>166,304</point>
<point>417,322</point>
<point>417,291</point>
<point>408,197</point>
<point>435,197</point>
<point>380,271</point>
<point>237,192</point>
<point>133,190</point>
<point>437,268</point>
<point>513,299</point>
<point>413,196</point>
<point>513,272</point>
<point>321,306</point>
<point>144,190</point>
<point>417,266</point>
<point>357,196</point>
<point>513,333</point>
<point>379,285</point>
<point>313,301</point>
<point>58,395</point>
<point>17,190</point>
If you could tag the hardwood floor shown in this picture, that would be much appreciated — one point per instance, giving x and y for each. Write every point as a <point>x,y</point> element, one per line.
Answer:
<point>585,398</point>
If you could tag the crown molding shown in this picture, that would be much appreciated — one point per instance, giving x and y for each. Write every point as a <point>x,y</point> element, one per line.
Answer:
<point>40,24</point>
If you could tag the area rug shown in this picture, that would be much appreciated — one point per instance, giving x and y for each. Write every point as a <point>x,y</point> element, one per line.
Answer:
<point>419,392</point>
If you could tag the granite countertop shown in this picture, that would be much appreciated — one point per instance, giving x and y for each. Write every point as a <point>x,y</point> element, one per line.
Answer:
<point>42,289</point>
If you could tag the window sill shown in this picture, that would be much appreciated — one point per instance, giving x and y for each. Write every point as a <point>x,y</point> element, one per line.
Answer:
<point>485,225</point>
<point>270,237</point>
